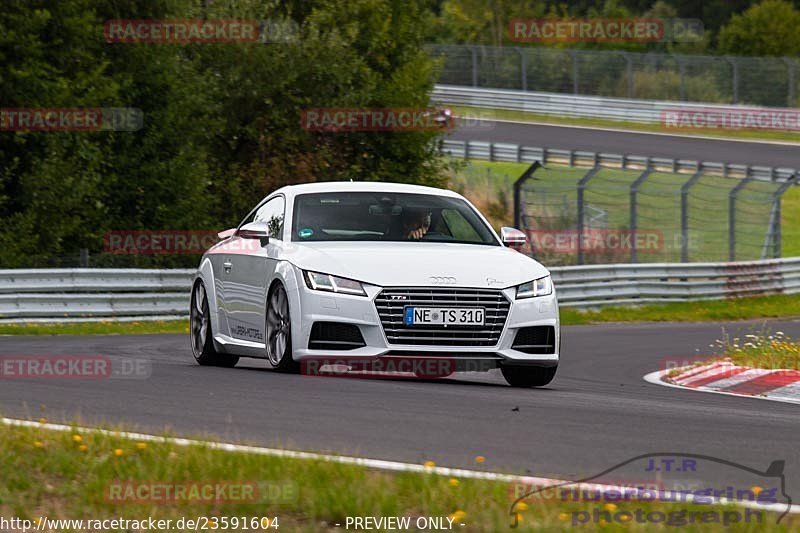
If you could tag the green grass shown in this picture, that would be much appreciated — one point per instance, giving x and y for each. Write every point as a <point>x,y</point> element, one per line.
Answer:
<point>762,349</point>
<point>97,328</point>
<point>70,475</point>
<point>552,201</point>
<point>524,116</point>
<point>704,311</point>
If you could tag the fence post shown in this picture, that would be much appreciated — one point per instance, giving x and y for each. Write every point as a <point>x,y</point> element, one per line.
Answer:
<point>84,260</point>
<point>685,214</point>
<point>474,50</point>
<point>523,68</point>
<point>581,188</point>
<point>732,213</point>
<point>735,77</point>
<point>628,72</point>
<point>777,245</point>
<point>517,196</point>
<point>574,55</point>
<point>791,67</point>
<point>682,70</point>
<point>634,192</point>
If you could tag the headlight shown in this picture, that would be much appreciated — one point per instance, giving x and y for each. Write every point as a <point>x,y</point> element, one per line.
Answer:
<point>326,282</point>
<point>538,287</point>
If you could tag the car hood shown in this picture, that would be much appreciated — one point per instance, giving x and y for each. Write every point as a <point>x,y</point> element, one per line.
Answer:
<point>417,263</point>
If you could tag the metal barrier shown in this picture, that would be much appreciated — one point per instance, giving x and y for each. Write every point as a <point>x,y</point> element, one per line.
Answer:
<point>492,151</point>
<point>602,107</point>
<point>77,294</point>
<point>66,295</point>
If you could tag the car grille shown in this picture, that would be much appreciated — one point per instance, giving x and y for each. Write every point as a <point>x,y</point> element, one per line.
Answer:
<point>391,302</point>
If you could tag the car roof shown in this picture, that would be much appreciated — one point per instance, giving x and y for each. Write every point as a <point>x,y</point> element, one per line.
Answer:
<point>363,186</point>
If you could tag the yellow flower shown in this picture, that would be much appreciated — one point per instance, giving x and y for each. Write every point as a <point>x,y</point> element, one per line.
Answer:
<point>38,444</point>
<point>43,420</point>
<point>77,438</point>
<point>756,489</point>
<point>141,445</point>
<point>563,517</point>
<point>83,447</point>
<point>522,506</point>
<point>453,482</point>
<point>118,452</point>
<point>429,464</point>
<point>610,507</point>
<point>458,515</point>
<point>480,459</point>
<point>519,517</point>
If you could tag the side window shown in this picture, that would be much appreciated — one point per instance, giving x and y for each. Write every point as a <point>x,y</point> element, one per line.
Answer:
<point>272,213</point>
<point>460,228</point>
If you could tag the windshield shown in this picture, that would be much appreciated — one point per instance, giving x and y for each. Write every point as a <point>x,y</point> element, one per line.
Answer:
<point>367,216</point>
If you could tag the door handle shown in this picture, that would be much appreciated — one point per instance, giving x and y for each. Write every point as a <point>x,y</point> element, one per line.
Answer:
<point>227,266</point>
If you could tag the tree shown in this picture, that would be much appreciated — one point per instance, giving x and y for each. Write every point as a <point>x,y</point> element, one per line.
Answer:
<point>765,29</point>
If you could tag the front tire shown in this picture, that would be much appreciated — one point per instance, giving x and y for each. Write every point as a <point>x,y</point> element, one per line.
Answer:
<point>528,376</point>
<point>279,331</point>
<point>202,340</point>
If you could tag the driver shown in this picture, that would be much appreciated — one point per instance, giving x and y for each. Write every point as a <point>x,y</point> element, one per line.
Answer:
<point>416,224</point>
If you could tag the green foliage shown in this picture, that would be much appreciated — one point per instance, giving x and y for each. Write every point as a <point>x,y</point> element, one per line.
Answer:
<point>221,120</point>
<point>765,29</point>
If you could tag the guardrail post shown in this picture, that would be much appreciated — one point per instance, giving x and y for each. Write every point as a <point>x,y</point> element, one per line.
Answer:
<point>685,214</point>
<point>84,260</point>
<point>581,188</point>
<point>518,196</point>
<point>633,224</point>
<point>732,214</point>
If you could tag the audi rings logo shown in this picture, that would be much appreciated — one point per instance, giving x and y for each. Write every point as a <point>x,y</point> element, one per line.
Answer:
<point>443,280</point>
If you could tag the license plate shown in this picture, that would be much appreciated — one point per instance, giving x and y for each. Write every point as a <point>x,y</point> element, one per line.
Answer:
<point>443,316</point>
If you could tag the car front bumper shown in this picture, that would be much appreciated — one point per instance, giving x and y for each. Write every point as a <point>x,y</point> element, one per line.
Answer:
<point>361,311</point>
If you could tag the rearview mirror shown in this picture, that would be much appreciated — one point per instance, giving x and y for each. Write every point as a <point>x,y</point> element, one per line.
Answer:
<point>512,236</point>
<point>255,230</point>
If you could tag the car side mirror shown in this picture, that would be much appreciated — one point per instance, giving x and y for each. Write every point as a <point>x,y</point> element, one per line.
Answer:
<point>512,236</point>
<point>255,230</point>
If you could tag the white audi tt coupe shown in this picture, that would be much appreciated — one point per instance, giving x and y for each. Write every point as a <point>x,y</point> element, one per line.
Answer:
<point>371,271</point>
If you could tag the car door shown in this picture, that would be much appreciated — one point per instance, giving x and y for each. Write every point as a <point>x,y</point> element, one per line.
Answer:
<point>247,270</point>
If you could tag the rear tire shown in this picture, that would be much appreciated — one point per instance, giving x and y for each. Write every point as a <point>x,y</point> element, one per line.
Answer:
<point>201,338</point>
<point>279,331</point>
<point>528,376</point>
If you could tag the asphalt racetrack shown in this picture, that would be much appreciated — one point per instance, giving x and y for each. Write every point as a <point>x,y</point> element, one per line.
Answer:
<point>597,412</point>
<point>634,143</point>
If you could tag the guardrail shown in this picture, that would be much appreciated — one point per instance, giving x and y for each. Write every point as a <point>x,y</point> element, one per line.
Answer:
<point>568,105</point>
<point>492,151</point>
<point>78,294</point>
<point>66,295</point>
